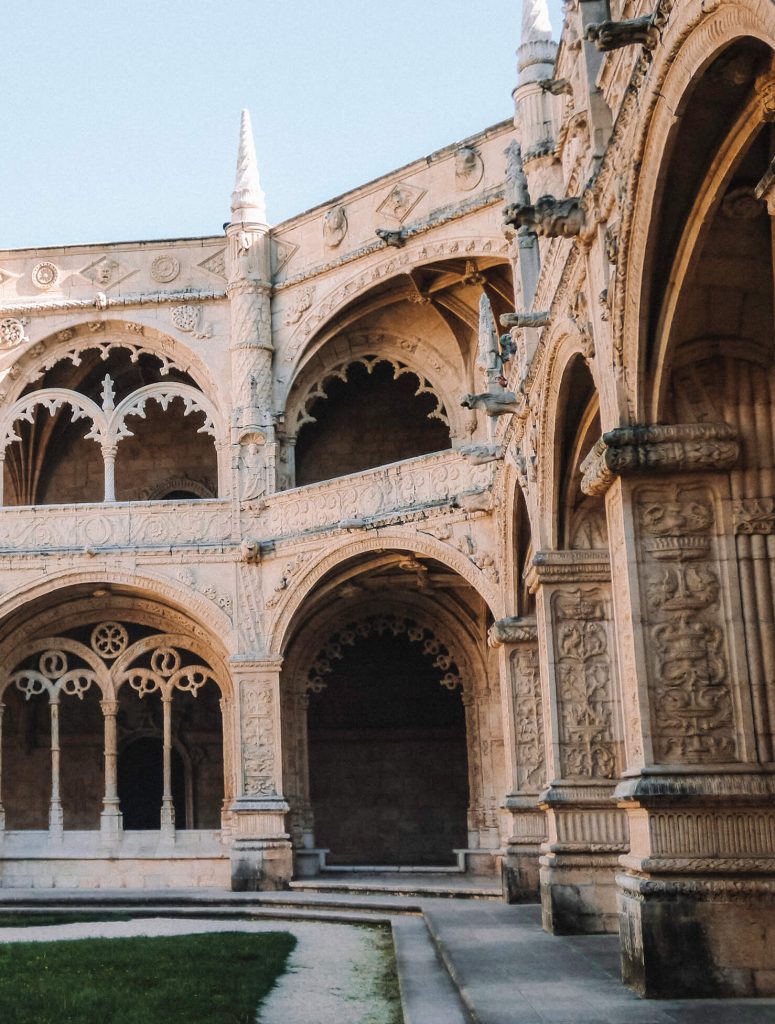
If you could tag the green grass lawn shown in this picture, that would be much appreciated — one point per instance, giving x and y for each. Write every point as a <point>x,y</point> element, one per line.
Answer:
<point>218,978</point>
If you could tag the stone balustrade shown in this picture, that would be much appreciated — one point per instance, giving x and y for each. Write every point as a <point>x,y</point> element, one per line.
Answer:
<point>407,487</point>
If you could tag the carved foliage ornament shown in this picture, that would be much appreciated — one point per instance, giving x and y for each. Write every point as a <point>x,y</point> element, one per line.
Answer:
<point>691,699</point>
<point>258,747</point>
<point>584,683</point>
<point>529,718</point>
<point>12,332</point>
<point>443,658</point>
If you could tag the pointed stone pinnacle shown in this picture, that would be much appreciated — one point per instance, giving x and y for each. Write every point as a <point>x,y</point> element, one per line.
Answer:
<point>535,21</point>
<point>248,202</point>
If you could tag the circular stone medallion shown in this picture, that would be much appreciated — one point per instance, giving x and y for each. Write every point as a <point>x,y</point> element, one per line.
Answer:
<point>165,268</point>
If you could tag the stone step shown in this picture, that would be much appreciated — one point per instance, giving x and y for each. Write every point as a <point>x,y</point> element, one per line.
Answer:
<point>458,888</point>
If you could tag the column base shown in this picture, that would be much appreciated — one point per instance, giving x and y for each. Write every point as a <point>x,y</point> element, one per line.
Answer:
<point>700,938</point>
<point>111,825</point>
<point>578,894</point>
<point>261,851</point>
<point>520,867</point>
<point>580,860</point>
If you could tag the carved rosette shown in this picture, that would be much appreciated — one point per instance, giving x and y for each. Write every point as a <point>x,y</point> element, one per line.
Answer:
<point>691,699</point>
<point>585,683</point>
<point>258,741</point>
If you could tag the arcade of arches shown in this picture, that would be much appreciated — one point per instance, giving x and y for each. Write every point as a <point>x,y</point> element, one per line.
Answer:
<point>432,527</point>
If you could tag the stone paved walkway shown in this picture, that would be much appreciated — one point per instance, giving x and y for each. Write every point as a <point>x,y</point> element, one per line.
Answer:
<point>505,968</point>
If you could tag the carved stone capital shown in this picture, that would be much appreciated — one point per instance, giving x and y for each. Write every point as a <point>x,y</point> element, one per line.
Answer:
<point>550,217</point>
<point>568,567</point>
<point>680,448</point>
<point>512,630</point>
<point>542,319</point>
<point>612,35</point>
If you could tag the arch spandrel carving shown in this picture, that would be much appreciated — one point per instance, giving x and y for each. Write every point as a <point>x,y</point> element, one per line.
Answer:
<point>279,628</point>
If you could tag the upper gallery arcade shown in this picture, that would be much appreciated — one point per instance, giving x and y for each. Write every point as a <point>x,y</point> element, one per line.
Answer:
<point>431,526</point>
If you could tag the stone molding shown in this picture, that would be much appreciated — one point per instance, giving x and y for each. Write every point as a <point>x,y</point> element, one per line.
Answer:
<point>680,448</point>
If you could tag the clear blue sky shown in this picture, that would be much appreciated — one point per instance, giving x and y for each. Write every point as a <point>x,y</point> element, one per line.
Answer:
<point>119,119</point>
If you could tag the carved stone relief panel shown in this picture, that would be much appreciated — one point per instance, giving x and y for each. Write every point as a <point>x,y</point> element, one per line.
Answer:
<point>691,699</point>
<point>529,718</point>
<point>585,682</point>
<point>258,740</point>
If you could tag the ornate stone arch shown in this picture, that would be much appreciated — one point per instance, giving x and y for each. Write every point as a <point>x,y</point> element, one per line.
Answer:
<point>68,343</point>
<point>417,251</point>
<point>565,345</point>
<point>281,625</point>
<point>369,351</point>
<point>211,626</point>
<point>694,36</point>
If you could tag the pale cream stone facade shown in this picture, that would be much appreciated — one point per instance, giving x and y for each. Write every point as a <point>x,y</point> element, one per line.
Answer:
<point>246,474</point>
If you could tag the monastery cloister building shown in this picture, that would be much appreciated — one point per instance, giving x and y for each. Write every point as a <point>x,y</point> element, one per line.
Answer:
<point>433,526</point>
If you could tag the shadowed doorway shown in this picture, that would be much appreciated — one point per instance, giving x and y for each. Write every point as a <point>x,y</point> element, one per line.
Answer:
<point>387,756</point>
<point>141,784</point>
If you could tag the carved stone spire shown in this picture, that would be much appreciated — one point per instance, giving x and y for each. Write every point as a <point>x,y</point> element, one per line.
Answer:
<point>537,50</point>
<point>248,203</point>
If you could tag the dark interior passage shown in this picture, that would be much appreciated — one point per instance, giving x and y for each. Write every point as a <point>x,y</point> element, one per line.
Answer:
<point>141,784</point>
<point>388,766</point>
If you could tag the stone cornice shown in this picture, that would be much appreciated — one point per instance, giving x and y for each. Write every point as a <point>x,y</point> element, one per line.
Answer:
<point>678,448</point>
<point>101,301</point>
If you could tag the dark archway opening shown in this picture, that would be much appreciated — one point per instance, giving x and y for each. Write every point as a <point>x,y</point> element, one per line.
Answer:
<point>370,420</point>
<point>141,784</point>
<point>387,757</point>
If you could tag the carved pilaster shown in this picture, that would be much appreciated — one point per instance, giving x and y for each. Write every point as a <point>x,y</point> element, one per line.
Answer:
<point>516,640</point>
<point>261,851</point>
<point>586,832</point>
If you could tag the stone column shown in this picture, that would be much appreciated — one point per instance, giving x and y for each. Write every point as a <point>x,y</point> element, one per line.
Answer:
<point>700,873</point>
<point>167,805</point>
<point>516,640</point>
<point>111,817</point>
<point>586,832</point>
<point>55,815</point>
<point>2,809</point>
<point>261,850</point>
<point>109,452</point>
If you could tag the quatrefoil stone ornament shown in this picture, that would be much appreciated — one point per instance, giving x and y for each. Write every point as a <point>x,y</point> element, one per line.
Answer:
<point>109,639</point>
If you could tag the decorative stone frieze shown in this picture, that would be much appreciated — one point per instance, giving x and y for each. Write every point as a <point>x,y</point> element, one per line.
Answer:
<point>689,447</point>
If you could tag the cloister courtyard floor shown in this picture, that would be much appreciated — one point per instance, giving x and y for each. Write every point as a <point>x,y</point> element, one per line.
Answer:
<point>459,960</point>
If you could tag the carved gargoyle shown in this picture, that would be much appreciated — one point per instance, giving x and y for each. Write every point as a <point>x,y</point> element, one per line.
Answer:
<point>550,217</point>
<point>556,86</point>
<point>478,499</point>
<point>494,403</point>
<point>391,237</point>
<point>542,319</point>
<point>481,454</point>
<point>612,35</point>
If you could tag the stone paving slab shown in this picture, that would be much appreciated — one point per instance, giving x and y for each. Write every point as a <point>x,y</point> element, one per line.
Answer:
<point>509,971</point>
